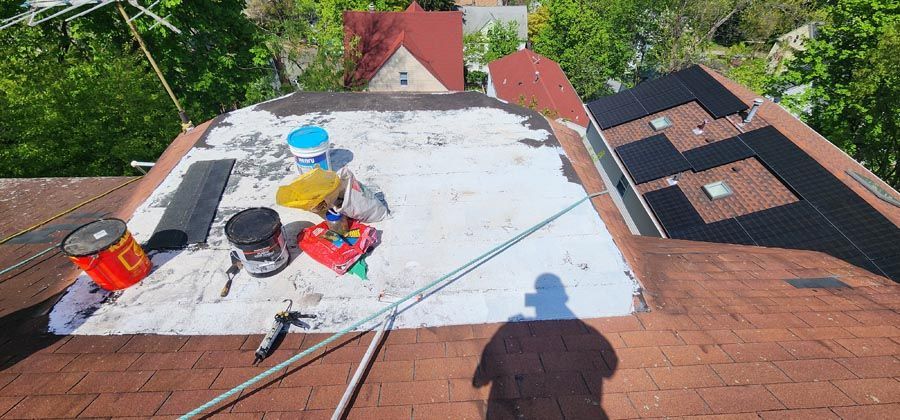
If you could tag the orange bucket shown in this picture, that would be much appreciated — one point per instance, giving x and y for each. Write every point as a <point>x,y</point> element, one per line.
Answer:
<point>107,252</point>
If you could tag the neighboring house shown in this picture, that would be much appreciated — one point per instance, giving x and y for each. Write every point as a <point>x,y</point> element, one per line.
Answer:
<point>413,50</point>
<point>534,81</point>
<point>482,3</point>
<point>480,19</point>
<point>690,159</point>
<point>788,44</point>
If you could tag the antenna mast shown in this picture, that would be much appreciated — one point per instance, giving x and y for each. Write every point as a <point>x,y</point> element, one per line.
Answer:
<point>36,15</point>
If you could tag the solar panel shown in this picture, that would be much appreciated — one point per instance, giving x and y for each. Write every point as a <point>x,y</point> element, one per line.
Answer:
<point>727,231</point>
<point>673,209</point>
<point>799,226</point>
<point>715,98</point>
<point>869,230</point>
<point>662,93</point>
<point>717,154</point>
<point>613,110</point>
<point>612,117</point>
<point>652,158</point>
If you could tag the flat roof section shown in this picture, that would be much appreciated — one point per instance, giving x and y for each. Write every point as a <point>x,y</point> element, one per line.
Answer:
<point>461,173</point>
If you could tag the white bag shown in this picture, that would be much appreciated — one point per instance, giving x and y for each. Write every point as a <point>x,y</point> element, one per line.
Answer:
<point>360,202</point>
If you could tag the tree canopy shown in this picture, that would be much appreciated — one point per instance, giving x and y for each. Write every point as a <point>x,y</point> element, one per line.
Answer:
<point>853,91</point>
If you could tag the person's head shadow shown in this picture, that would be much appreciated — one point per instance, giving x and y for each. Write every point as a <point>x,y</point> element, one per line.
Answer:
<point>547,366</point>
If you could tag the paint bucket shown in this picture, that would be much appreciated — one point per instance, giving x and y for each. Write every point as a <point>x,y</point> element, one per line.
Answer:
<point>310,147</point>
<point>107,252</point>
<point>257,240</point>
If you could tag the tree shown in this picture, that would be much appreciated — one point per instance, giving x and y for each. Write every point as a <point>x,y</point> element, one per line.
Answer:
<point>587,44</point>
<point>79,99</point>
<point>499,40</point>
<point>854,87</point>
<point>73,107</point>
<point>439,5</point>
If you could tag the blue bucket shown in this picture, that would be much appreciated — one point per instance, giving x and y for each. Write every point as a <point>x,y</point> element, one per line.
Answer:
<point>310,147</point>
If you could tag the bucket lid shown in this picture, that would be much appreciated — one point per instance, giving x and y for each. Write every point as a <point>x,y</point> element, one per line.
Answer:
<point>307,137</point>
<point>252,225</point>
<point>93,237</point>
<point>332,216</point>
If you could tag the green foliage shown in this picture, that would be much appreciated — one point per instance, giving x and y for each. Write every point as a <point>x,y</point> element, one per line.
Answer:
<point>437,4</point>
<point>584,39</point>
<point>854,86</point>
<point>475,80</point>
<point>537,20</point>
<point>499,40</point>
<point>70,109</point>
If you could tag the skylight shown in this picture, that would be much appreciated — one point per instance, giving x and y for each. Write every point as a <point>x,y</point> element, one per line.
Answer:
<point>717,190</point>
<point>661,123</point>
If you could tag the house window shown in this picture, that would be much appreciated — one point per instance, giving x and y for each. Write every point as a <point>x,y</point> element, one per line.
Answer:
<point>622,186</point>
<point>404,78</point>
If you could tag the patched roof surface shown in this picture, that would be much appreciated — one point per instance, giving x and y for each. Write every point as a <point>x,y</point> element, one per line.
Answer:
<point>434,38</point>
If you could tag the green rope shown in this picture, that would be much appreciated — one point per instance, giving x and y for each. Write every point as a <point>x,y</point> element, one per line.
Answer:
<point>27,260</point>
<point>386,309</point>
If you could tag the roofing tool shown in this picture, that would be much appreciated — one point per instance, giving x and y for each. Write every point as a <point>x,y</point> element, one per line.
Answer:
<point>282,319</point>
<point>231,273</point>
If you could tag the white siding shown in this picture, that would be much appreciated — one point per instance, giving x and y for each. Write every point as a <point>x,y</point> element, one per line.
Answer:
<point>387,79</point>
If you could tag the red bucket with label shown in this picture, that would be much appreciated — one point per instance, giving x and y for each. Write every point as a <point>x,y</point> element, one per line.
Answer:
<point>107,252</point>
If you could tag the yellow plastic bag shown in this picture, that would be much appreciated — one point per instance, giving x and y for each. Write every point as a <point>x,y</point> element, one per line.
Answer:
<point>309,190</point>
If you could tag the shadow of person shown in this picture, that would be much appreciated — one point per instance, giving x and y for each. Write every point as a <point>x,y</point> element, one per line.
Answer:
<point>549,366</point>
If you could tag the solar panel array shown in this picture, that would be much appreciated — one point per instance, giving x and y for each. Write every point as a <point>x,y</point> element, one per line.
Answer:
<point>652,158</point>
<point>617,109</point>
<point>660,94</point>
<point>673,209</point>
<point>717,154</point>
<point>666,92</point>
<point>727,231</point>
<point>715,98</point>
<point>830,217</point>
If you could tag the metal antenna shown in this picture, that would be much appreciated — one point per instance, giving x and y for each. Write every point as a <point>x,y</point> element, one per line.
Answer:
<point>58,8</point>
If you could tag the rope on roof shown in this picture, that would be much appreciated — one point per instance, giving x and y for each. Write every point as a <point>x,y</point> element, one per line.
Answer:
<point>412,295</point>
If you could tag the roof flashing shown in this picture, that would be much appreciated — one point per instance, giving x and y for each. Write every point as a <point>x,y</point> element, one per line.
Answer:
<point>874,188</point>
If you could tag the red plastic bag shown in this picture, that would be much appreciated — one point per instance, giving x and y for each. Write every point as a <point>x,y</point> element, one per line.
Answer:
<point>336,252</point>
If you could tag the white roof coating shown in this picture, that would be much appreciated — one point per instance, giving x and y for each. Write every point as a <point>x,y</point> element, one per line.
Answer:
<point>460,178</point>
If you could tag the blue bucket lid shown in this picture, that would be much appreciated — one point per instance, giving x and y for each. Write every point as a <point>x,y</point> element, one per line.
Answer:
<point>332,216</point>
<point>306,137</point>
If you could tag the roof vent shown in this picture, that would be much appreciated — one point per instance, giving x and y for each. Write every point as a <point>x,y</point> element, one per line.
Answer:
<point>717,190</point>
<point>537,76</point>
<point>756,103</point>
<point>661,123</point>
<point>698,130</point>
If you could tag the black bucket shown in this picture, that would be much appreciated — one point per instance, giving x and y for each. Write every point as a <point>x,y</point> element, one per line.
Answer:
<point>257,240</point>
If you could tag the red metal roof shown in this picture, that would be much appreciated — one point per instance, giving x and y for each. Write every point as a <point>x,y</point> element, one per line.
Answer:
<point>434,38</point>
<point>533,76</point>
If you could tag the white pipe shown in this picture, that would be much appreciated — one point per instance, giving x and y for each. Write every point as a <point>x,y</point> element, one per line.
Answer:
<point>363,365</point>
<point>19,16</point>
<point>154,16</point>
<point>139,14</point>
<point>14,21</point>
<point>138,165</point>
<point>89,10</point>
<point>63,11</point>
